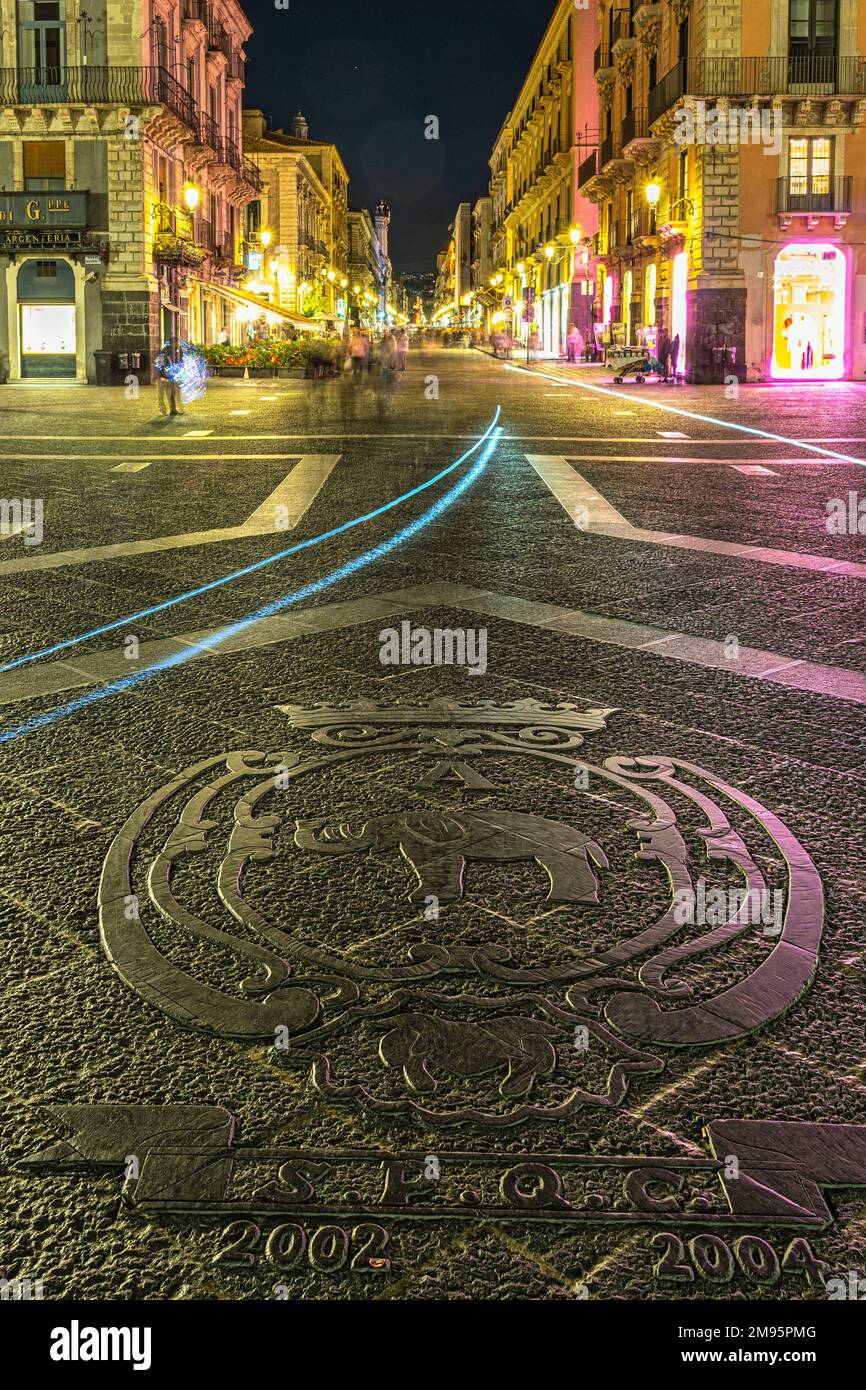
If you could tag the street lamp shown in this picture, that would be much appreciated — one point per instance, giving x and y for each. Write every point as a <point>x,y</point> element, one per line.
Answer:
<point>191,197</point>
<point>652,193</point>
<point>265,239</point>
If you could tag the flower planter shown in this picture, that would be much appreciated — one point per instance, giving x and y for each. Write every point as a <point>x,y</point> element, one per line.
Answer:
<point>291,373</point>
<point>231,371</point>
<point>261,373</point>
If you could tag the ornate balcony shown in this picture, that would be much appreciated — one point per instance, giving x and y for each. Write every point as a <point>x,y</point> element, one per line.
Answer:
<point>98,86</point>
<point>795,199</point>
<point>752,79</point>
<point>173,237</point>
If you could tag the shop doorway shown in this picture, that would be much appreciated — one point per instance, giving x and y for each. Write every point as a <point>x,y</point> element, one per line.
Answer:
<point>809,313</point>
<point>47,319</point>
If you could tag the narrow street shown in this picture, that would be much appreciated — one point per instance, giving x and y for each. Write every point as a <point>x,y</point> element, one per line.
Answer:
<point>332,861</point>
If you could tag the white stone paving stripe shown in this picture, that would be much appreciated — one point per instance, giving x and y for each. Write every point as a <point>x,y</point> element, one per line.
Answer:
<point>835,682</point>
<point>132,466</point>
<point>239,436</point>
<point>576,491</point>
<point>296,493</point>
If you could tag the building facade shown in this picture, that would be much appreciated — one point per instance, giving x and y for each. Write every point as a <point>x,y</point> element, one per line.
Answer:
<point>124,180</point>
<point>727,184</point>
<point>541,229</point>
<point>298,231</point>
<point>454,295</point>
<point>368,270</point>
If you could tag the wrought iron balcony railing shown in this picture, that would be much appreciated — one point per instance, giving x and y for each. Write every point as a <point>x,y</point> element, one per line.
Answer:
<point>252,174</point>
<point>622,25</point>
<point>758,77</point>
<point>588,169</point>
<point>96,86</point>
<point>610,148</point>
<point>635,126</point>
<point>208,132</point>
<point>795,195</point>
<point>601,58</point>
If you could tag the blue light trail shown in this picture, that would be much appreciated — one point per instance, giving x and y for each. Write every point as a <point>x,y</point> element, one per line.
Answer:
<point>92,697</point>
<point>249,569</point>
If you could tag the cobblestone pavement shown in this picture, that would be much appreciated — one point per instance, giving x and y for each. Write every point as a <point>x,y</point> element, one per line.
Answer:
<point>540,976</point>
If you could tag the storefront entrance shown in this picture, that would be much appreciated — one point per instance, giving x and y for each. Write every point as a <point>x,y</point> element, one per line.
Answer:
<point>809,313</point>
<point>46,318</point>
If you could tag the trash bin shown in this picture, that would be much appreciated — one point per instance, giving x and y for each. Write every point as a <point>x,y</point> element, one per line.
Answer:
<point>102,360</point>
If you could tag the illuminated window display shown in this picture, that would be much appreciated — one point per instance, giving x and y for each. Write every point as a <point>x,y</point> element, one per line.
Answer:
<point>48,328</point>
<point>650,282</point>
<point>679,286</point>
<point>607,299</point>
<point>809,312</point>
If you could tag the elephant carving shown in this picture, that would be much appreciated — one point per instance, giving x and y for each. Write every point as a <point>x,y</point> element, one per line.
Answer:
<point>425,1046</point>
<point>437,845</point>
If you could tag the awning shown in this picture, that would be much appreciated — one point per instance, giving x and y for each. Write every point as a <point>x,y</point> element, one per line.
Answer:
<point>488,299</point>
<point>244,297</point>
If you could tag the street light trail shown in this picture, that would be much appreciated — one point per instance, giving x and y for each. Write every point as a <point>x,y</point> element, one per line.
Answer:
<point>250,569</point>
<point>690,415</point>
<point>102,692</point>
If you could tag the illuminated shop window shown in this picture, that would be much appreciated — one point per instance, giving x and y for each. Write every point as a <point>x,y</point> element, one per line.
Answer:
<point>650,281</point>
<point>810,281</point>
<point>48,329</point>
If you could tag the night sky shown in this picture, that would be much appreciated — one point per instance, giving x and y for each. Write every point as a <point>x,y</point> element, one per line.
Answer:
<point>366,73</point>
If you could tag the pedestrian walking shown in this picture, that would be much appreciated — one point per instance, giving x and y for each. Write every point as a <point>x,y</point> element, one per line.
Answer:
<point>664,355</point>
<point>675,355</point>
<point>167,388</point>
<point>224,340</point>
<point>574,343</point>
<point>401,344</point>
<point>359,353</point>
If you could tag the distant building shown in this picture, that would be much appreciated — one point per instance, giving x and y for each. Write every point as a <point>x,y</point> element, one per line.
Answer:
<point>542,226</point>
<point>298,232</point>
<point>454,278</point>
<point>481,268</point>
<point>124,181</point>
<point>368,270</point>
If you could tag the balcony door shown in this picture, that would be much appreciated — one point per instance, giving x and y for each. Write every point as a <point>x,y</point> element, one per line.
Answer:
<point>42,50</point>
<point>813,40</point>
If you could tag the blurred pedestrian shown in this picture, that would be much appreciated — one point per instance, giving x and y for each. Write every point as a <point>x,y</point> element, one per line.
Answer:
<point>664,354</point>
<point>359,352</point>
<point>224,340</point>
<point>574,343</point>
<point>167,388</point>
<point>401,345</point>
<point>675,357</point>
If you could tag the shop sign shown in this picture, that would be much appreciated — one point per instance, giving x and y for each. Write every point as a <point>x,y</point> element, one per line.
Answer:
<point>60,209</point>
<point>64,239</point>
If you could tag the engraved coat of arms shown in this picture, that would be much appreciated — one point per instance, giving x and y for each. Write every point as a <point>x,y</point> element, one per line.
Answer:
<point>452,911</point>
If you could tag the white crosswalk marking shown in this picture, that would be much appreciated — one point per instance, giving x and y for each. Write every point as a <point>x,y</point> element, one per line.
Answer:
<point>281,511</point>
<point>572,490</point>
